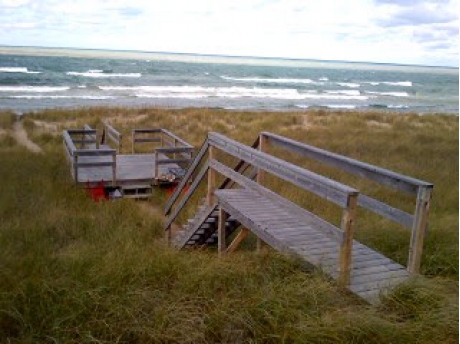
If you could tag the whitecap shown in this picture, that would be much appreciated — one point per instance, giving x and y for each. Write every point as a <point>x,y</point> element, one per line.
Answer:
<point>17,70</point>
<point>324,79</point>
<point>89,97</point>
<point>390,83</point>
<point>348,84</point>
<point>341,106</point>
<point>390,94</point>
<point>346,92</point>
<point>272,80</point>
<point>35,89</point>
<point>97,73</point>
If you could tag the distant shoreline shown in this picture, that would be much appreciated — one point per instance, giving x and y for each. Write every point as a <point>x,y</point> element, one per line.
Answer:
<point>221,59</point>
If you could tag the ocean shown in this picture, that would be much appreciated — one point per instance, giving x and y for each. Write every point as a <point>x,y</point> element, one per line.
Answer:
<point>38,78</point>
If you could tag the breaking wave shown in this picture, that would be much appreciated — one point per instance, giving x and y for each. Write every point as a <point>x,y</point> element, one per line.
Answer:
<point>17,70</point>
<point>97,73</point>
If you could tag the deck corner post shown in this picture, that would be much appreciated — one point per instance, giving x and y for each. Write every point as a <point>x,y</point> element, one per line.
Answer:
<point>211,198</point>
<point>221,233</point>
<point>419,228</point>
<point>132,141</point>
<point>75,168</point>
<point>114,169</point>
<point>346,246</point>
<point>157,168</point>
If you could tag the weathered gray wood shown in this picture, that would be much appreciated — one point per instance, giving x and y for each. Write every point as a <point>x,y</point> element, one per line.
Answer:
<point>210,197</point>
<point>94,152</point>
<point>143,140</point>
<point>196,226</point>
<point>68,141</point>
<point>381,175</point>
<point>221,233</point>
<point>321,186</point>
<point>186,178</point>
<point>386,211</point>
<point>290,206</point>
<point>82,131</point>
<point>177,138</point>
<point>171,161</point>
<point>346,246</point>
<point>167,150</point>
<point>147,131</point>
<point>93,164</point>
<point>187,195</point>
<point>419,228</point>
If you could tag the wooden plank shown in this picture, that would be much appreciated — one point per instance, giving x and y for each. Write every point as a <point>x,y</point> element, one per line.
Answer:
<point>195,226</point>
<point>419,228</point>
<point>221,233</point>
<point>177,138</point>
<point>361,169</point>
<point>68,141</point>
<point>167,150</point>
<point>187,176</point>
<point>93,164</point>
<point>171,161</point>
<point>94,152</point>
<point>81,131</point>
<point>319,185</point>
<point>187,195</point>
<point>144,140</point>
<point>386,211</point>
<point>238,240</point>
<point>146,131</point>
<point>386,281</point>
<point>293,208</point>
<point>210,197</point>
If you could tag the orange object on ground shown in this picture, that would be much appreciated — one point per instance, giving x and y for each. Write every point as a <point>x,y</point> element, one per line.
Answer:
<point>97,193</point>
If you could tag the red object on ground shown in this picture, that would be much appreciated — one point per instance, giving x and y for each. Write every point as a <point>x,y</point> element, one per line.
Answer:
<point>97,193</point>
<point>171,189</point>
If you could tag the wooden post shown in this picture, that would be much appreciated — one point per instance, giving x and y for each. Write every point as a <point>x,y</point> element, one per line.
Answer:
<point>238,240</point>
<point>211,199</point>
<point>120,137</point>
<point>132,142</point>
<point>346,246</point>
<point>419,228</point>
<point>221,233</point>
<point>263,145</point>
<point>75,168</point>
<point>156,166</point>
<point>114,169</point>
<point>96,136</point>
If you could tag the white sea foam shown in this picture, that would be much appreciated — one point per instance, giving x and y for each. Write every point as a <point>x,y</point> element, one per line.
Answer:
<point>35,89</point>
<point>273,80</point>
<point>324,79</point>
<point>390,83</point>
<point>390,94</point>
<point>97,73</point>
<point>341,106</point>
<point>61,97</point>
<point>348,84</point>
<point>225,92</point>
<point>346,92</point>
<point>397,106</point>
<point>17,70</point>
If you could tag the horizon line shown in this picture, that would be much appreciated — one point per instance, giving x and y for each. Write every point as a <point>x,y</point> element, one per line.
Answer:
<point>233,56</point>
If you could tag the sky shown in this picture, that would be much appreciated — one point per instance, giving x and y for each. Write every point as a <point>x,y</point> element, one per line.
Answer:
<point>423,32</point>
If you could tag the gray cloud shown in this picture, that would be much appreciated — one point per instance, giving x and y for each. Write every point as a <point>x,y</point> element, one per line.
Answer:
<point>417,16</point>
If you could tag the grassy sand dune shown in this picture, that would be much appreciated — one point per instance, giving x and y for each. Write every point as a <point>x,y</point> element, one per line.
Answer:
<point>72,270</point>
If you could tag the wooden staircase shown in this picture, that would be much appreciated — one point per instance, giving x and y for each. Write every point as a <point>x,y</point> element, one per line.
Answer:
<point>243,201</point>
<point>202,229</point>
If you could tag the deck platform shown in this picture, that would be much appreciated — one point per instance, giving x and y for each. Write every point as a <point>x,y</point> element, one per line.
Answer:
<point>130,169</point>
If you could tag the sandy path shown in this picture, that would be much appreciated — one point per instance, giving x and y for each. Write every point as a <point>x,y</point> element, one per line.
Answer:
<point>20,135</point>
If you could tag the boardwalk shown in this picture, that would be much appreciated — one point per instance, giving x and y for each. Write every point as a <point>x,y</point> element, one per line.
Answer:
<point>242,204</point>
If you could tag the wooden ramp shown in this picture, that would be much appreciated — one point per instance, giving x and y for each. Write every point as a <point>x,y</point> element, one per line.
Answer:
<point>243,204</point>
<point>304,236</point>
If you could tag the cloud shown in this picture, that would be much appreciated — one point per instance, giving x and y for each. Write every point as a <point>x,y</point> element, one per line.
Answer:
<point>418,15</point>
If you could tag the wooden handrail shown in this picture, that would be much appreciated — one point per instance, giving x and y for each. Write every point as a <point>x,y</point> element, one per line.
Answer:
<point>361,169</point>
<point>177,138</point>
<point>315,183</point>
<point>188,175</point>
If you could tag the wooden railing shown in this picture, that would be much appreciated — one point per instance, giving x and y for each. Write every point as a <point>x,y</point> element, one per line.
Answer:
<point>113,135</point>
<point>171,150</point>
<point>340,194</point>
<point>82,158</point>
<point>417,222</point>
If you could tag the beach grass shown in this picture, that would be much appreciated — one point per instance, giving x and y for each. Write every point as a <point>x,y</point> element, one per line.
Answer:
<point>72,270</point>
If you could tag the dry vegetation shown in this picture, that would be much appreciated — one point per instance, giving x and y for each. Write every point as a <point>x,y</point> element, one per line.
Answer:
<point>76,271</point>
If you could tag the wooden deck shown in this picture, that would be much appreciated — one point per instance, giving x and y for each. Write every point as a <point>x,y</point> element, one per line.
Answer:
<point>371,274</point>
<point>130,168</point>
